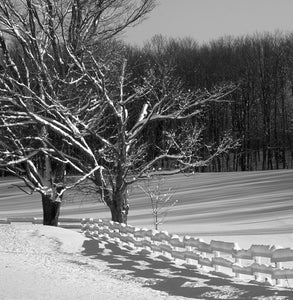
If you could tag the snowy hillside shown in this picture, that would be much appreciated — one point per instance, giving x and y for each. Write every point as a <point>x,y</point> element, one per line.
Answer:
<point>243,207</point>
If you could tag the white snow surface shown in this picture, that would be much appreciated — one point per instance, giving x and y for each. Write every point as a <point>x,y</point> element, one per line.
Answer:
<point>242,207</point>
<point>40,262</point>
<point>53,263</point>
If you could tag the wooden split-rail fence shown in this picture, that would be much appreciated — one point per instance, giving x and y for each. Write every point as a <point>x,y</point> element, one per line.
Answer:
<point>260,263</point>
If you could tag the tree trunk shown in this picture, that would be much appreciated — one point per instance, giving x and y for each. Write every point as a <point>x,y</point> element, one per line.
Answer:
<point>119,208</point>
<point>51,211</point>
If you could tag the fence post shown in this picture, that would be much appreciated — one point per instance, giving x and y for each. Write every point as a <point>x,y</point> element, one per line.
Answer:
<point>279,281</point>
<point>238,262</point>
<point>216,254</point>
<point>188,248</point>
<point>256,274</point>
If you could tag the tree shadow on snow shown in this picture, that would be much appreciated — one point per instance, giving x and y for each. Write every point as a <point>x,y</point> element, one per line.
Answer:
<point>173,279</point>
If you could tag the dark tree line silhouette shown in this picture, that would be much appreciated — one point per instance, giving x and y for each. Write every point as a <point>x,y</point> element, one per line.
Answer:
<point>259,112</point>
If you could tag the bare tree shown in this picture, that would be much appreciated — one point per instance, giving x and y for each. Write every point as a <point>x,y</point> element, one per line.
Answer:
<point>106,132</point>
<point>92,114</point>
<point>44,49</point>
<point>161,198</point>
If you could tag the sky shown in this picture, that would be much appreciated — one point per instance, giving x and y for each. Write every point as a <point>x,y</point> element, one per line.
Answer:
<point>204,20</point>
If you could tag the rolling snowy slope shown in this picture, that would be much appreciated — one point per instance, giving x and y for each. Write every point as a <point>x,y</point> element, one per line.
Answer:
<point>245,207</point>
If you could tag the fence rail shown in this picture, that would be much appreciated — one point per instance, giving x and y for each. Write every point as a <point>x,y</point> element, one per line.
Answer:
<point>261,263</point>
<point>69,223</point>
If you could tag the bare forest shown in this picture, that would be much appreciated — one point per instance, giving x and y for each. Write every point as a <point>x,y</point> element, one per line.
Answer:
<point>259,112</point>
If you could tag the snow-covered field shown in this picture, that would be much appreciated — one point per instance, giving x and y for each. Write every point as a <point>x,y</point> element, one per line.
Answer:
<point>53,263</point>
<point>244,207</point>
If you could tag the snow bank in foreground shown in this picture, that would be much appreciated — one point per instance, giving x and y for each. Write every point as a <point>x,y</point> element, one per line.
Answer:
<point>39,262</point>
<point>68,241</point>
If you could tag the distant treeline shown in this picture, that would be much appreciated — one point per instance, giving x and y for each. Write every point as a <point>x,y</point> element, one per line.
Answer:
<point>259,112</point>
